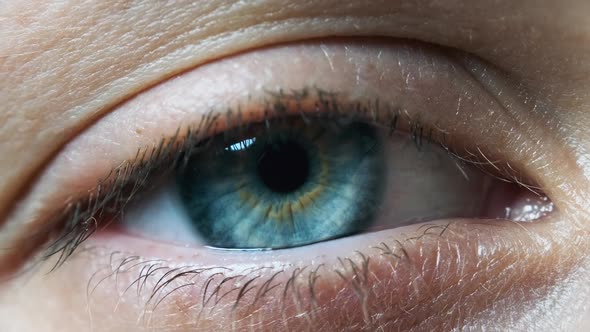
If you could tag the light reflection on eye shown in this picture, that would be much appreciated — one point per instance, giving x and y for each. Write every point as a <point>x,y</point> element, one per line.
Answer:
<point>242,145</point>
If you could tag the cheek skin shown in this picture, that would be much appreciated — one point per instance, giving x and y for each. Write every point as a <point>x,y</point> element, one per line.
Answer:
<point>482,274</point>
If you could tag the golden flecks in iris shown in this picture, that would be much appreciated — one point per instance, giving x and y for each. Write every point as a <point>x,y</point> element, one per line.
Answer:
<point>248,198</point>
<point>308,198</point>
<point>282,212</point>
<point>285,211</point>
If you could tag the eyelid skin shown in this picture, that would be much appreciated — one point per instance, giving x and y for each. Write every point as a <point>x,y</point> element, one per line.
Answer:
<point>423,83</point>
<point>477,272</point>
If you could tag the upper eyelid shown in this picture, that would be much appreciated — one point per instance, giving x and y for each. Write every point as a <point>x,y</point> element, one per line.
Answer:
<point>75,158</point>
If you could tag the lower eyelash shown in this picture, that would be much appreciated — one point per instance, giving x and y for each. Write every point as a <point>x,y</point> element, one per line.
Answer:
<point>156,281</point>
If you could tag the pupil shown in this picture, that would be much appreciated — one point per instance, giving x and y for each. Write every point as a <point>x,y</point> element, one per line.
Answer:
<point>283,167</point>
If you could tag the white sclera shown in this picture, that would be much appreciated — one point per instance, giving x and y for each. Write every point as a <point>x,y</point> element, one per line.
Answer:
<point>161,216</point>
<point>426,183</point>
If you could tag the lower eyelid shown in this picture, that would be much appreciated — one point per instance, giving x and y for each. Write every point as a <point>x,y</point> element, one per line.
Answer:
<point>384,281</point>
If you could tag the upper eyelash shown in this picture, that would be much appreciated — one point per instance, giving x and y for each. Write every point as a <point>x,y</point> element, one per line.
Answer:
<point>80,217</point>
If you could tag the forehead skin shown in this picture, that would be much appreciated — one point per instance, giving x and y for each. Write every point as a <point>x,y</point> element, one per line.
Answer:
<point>64,64</point>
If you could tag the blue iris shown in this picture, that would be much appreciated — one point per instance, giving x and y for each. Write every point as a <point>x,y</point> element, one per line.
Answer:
<point>284,185</point>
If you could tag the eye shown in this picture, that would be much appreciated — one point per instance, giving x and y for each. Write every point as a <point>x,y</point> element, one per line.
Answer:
<point>297,180</point>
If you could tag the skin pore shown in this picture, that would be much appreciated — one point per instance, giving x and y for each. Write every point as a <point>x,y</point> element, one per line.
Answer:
<point>80,76</point>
